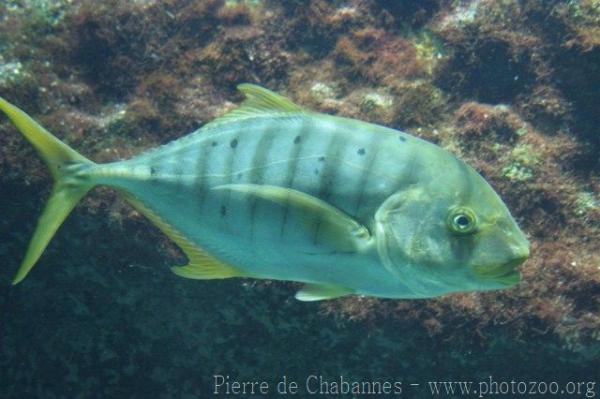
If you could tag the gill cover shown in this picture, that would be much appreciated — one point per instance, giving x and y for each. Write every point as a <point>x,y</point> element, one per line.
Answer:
<point>386,234</point>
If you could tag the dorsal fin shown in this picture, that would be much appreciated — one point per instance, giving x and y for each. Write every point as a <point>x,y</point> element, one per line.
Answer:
<point>259,102</point>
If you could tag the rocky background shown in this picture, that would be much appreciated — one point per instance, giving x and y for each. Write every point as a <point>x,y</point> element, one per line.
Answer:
<point>511,86</point>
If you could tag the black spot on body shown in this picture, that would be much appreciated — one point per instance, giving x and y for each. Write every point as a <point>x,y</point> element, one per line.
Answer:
<point>402,138</point>
<point>321,159</point>
<point>325,195</point>
<point>233,143</point>
<point>152,171</point>
<point>223,210</point>
<point>214,143</point>
<point>239,176</point>
<point>297,140</point>
<point>316,171</point>
<point>361,151</point>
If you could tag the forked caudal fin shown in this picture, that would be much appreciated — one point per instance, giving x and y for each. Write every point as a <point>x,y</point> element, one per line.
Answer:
<point>64,164</point>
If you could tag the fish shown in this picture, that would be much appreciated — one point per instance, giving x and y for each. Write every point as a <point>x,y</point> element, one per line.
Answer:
<point>272,190</point>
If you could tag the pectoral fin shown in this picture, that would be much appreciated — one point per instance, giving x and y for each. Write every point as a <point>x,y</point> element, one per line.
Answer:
<point>337,228</point>
<point>202,265</point>
<point>320,292</point>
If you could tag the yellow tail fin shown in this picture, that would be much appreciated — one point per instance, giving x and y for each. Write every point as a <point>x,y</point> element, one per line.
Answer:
<point>66,166</point>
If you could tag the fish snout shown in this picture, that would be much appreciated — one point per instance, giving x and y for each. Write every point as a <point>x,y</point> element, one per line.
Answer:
<point>520,246</point>
<point>521,252</point>
<point>506,273</point>
<point>516,246</point>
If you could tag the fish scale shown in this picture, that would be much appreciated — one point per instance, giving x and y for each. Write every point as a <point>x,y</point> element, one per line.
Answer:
<point>332,148</point>
<point>273,191</point>
<point>286,164</point>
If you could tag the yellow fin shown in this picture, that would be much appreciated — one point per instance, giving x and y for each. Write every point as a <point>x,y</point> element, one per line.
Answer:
<point>339,229</point>
<point>201,266</point>
<point>54,152</point>
<point>319,292</point>
<point>259,102</point>
<point>65,164</point>
<point>261,99</point>
<point>62,201</point>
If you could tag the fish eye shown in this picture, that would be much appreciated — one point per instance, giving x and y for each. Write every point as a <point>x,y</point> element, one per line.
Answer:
<point>462,220</point>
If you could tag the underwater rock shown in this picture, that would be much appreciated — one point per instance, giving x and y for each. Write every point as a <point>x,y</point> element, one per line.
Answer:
<point>10,72</point>
<point>321,91</point>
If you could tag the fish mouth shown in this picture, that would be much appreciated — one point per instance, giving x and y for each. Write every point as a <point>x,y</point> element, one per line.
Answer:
<point>506,273</point>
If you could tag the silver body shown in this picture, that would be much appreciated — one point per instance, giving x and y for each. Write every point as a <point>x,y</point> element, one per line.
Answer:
<point>352,165</point>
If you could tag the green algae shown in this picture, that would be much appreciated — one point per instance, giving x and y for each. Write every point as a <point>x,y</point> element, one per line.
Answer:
<point>522,131</point>
<point>40,16</point>
<point>523,161</point>
<point>517,172</point>
<point>376,101</point>
<point>321,91</point>
<point>526,155</point>
<point>250,3</point>
<point>585,203</point>
<point>11,72</point>
<point>430,51</point>
<point>586,12</point>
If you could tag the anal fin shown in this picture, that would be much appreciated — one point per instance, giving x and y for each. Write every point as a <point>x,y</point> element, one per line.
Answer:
<point>320,292</point>
<point>202,265</point>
